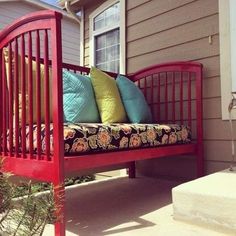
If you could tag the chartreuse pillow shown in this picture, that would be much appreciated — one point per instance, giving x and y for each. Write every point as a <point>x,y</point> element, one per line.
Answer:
<point>79,103</point>
<point>107,96</point>
<point>134,101</point>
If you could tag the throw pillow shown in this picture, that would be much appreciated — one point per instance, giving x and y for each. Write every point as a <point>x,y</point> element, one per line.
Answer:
<point>107,96</point>
<point>134,101</point>
<point>79,103</point>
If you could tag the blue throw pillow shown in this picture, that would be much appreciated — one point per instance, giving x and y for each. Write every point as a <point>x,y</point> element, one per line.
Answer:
<point>134,101</point>
<point>79,103</point>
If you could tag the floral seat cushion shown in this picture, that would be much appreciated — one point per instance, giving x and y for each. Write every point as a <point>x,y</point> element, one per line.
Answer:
<point>90,137</point>
<point>83,138</point>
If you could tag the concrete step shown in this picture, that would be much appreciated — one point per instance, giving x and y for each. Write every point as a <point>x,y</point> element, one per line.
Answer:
<point>210,200</point>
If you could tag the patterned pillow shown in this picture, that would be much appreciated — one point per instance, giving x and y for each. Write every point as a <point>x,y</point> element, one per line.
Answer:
<point>107,96</point>
<point>134,101</point>
<point>79,104</point>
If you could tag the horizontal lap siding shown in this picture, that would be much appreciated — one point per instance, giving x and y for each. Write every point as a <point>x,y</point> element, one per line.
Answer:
<point>87,11</point>
<point>70,30</point>
<point>160,31</point>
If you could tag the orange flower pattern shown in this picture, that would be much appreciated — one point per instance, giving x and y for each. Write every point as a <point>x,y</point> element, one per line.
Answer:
<point>80,138</point>
<point>135,141</point>
<point>80,145</point>
<point>103,138</point>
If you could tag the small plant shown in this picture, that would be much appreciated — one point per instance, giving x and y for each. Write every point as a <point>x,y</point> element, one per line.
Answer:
<point>28,215</point>
<point>22,211</point>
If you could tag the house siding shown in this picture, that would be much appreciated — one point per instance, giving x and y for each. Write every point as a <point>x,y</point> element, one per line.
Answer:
<point>160,31</point>
<point>10,11</point>
<point>87,11</point>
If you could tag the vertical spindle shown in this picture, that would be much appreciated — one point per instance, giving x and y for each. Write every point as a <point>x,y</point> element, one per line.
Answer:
<point>46,95</point>
<point>145,87</point>
<point>38,95</point>
<point>173,97</point>
<point>23,97</point>
<point>189,101</point>
<point>166,98</point>
<point>30,94</point>
<point>181,98</point>
<point>2,62</point>
<point>16,87</point>
<point>152,98</point>
<point>4,106</point>
<point>11,98</point>
<point>158,98</point>
<point>139,85</point>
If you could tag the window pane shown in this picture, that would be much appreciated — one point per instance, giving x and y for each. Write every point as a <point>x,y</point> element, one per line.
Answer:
<point>113,53</point>
<point>107,51</point>
<point>112,38</point>
<point>101,56</point>
<point>100,41</point>
<point>108,17</point>
<point>99,24</point>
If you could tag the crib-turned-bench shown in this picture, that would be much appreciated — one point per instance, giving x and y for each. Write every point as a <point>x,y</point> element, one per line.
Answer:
<point>37,143</point>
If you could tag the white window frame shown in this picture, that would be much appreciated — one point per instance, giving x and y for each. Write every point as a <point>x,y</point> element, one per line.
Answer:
<point>121,25</point>
<point>227,26</point>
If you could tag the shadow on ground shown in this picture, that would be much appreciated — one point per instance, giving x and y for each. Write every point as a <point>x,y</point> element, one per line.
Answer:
<point>115,205</point>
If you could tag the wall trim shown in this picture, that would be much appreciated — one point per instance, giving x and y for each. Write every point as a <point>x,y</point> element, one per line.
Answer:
<point>225,58</point>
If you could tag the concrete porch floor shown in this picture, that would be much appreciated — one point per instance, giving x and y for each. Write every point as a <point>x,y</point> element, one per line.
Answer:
<point>125,207</point>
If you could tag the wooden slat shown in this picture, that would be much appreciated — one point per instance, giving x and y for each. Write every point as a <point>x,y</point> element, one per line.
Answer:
<point>189,101</point>
<point>11,98</point>
<point>173,97</point>
<point>30,94</point>
<point>38,95</point>
<point>16,92</point>
<point>158,98</point>
<point>46,94</point>
<point>23,97</point>
<point>4,106</point>
<point>181,98</point>
<point>166,97</point>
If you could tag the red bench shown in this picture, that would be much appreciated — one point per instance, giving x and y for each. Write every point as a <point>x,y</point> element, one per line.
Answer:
<point>173,91</point>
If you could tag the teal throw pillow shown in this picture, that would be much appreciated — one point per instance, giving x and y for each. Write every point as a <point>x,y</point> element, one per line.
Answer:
<point>79,103</point>
<point>134,101</point>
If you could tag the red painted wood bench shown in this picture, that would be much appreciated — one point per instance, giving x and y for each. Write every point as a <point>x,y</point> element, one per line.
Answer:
<point>173,91</point>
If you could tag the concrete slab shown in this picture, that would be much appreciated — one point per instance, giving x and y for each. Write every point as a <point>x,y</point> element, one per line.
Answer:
<point>210,200</point>
<point>125,207</point>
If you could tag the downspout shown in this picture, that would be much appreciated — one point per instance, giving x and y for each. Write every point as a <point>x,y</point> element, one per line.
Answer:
<point>69,10</point>
<point>80,20</point>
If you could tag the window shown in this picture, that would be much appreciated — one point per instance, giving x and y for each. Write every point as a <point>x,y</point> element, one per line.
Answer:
<point>107,37</point>
<point>227,22</point>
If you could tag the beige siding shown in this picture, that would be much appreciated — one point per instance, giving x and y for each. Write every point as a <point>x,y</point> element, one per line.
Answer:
<point>70,30</point>
<point>88,10</point>
<point>160,31</point>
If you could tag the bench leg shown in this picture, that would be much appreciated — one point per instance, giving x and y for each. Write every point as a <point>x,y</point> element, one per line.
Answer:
<point>59,198</point>
<point>200,162</point>
<point>131,170</point>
